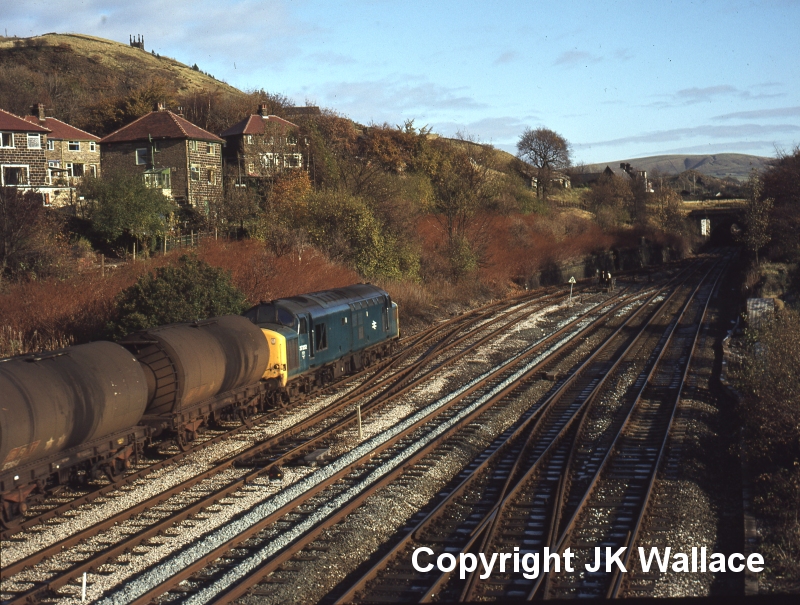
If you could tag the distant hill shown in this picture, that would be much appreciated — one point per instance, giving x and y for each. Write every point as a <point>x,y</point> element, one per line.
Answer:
<point>721,165</point>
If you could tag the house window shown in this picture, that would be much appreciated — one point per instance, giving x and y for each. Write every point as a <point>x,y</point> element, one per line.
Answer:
<point>210,148</point>
<point>192,145</point>
<point>74,146</point>
<point>51,145</point>
<point>6,139</point>
<point>295,160</point>
<point>52,167</point>
<point>15,176</point>
<point>195,172</point>
<point>92,146</point>
<point>93,170</point>
<point>212,177</point>
<point>250,169</point>
<point>34,141</point>
<point>268,160</point>
<point>75,170</point>
<point>249,139</point>
<point>291,139</point>
<point>158,180</point>
<point>141,156</point>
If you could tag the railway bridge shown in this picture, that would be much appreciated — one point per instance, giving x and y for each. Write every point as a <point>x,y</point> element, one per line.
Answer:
<point>715,219</point>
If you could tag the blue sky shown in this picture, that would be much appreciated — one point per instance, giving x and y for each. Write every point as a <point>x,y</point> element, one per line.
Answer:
<point>617,79</point>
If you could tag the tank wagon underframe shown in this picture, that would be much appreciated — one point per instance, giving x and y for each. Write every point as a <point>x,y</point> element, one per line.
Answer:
<point>110,455</point>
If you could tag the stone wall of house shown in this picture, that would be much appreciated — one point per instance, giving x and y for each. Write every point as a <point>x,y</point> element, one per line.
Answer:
<point>179,155</point>
<point>34,159</point>
<point>85,155</point>
<point>207,186</point>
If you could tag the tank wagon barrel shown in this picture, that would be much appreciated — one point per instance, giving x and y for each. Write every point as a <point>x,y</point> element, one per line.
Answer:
<point>189,363</point>
<point>58,409</point>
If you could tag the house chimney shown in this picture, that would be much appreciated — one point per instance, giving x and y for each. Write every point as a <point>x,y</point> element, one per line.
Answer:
<point>262,110</point>
<point>38,110</point>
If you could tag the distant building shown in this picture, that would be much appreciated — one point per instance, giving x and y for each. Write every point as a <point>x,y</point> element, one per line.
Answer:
<point>22,153</point>
<point>307,111</point>
<point>625,172</point>
<point>263,145</point>
<point>171,154</point>
<point>71,154</point>
<point>557,179</point>
<point>137,41</point>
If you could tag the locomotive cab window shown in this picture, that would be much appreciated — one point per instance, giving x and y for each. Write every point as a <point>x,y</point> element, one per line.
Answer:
<point>320,337</point>
<point>266,314</point>
<point>303,327</point>
<point>286,318</point>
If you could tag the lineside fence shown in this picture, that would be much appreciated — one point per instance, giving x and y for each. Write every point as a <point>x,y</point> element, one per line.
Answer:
<point>193,238</point>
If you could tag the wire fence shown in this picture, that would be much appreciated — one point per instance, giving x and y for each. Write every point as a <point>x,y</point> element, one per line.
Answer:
<point>193,238</point>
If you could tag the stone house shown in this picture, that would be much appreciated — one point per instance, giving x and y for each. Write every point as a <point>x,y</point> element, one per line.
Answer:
<point>171,154</point>
<point>262,145</point>
<point>22,158</point>
<point>71,154</point>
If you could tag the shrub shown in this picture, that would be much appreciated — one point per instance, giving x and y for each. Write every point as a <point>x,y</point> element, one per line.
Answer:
<point>191,290</point>
<point>31,242</point>
<point>770,383</point>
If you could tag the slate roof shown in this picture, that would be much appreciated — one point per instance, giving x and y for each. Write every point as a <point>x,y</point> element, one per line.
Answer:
<point>160,125</point>
<point>255,124</point>
<point>8,121</point>
<point>63,131</point>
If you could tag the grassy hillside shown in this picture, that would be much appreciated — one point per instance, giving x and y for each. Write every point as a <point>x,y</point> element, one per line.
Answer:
<point>91,82</point>
<point>721,165</point>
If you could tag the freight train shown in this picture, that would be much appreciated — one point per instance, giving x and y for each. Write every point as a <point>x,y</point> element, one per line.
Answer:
<point>75,414</point>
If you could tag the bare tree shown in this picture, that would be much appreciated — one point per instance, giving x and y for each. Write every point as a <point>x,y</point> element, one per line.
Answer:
<point>547,151</point>
<point>756,217</point>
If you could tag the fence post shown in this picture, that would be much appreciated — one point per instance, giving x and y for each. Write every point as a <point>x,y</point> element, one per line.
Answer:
<point>102,265</point>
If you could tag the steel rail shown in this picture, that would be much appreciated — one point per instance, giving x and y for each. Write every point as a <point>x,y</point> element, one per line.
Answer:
<point>264,445</point>
<point>633,534</point>
<point>498,451</point>
<point>561,543</point>
<point>180,576</point>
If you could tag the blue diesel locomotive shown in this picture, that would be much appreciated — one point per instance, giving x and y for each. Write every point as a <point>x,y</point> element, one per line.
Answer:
<point>318,337</point>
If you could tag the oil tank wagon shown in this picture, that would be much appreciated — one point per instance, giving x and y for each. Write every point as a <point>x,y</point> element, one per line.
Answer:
<point>72,408</point>
<point>187,365</point>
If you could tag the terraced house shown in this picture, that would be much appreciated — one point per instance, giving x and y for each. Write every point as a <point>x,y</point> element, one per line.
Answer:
<point>71,154</point>
<point>170,153</point>
<point>262,145</point>
<point>22,158</point>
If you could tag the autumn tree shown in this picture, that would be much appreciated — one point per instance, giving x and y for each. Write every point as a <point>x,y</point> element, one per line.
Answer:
<point>124,205</point>
<point>668,215</point>
<point>545,150</point>
<point>610,200</point>
<point>464,186</point>
<point>781,182</point>
<point>30,235</point>
<point>756,216</point>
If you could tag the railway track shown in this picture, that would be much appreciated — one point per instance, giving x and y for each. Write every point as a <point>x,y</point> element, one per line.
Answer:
<point>42,588</point>
<point>258,544</point>
<point>64,501</point>
<point>506,497</point>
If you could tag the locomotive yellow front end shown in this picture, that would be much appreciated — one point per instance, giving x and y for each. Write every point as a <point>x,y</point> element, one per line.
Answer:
<point>276,368</point>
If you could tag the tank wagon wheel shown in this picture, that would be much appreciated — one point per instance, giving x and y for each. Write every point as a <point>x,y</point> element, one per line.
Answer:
<point>8,521</point>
